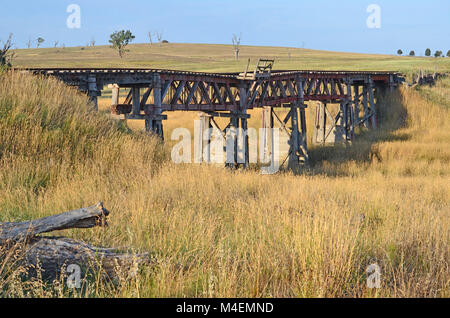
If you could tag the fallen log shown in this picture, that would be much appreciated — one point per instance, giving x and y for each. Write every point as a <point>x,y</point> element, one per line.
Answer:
<point>50,255</point>
<point>83,218</point>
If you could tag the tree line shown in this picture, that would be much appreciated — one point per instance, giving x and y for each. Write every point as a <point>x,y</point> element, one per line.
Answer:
<point>438,53</point>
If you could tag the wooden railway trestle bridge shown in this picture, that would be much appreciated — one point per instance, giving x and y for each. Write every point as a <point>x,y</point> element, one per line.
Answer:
<point>154,92</point>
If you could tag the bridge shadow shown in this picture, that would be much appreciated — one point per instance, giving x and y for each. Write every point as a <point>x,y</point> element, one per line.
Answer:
<point>330,160</point>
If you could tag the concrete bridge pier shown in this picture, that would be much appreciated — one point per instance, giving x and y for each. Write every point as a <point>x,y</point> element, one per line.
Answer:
<point>295,131</point>
<point>267,153</point>
<point>234,138</point>
<point>334,129</point>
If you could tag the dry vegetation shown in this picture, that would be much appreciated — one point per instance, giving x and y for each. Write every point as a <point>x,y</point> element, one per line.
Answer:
<point>218,233</point>
<point>220,58</point>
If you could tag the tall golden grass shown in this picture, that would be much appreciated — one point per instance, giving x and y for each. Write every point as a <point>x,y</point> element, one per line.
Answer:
<point>222,233</point>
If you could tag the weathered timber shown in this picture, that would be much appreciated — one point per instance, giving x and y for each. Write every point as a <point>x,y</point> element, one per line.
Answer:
<point>52,254</point>
<point>82,218</point>
<point>233,94</point>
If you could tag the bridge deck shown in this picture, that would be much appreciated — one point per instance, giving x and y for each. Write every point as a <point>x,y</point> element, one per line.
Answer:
<point>202,91</point>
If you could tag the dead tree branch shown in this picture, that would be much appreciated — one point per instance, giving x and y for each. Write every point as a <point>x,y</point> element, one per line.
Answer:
<point>237,44</point>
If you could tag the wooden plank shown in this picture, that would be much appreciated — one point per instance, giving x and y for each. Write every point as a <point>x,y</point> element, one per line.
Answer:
<point>146,96</point>
<point>218,94</point>
<point>372,106</point>
<point>230,95</point>
<point>192,91</point>
<point>205,93</point>
<point>178,92</point>
<point>136,110</point>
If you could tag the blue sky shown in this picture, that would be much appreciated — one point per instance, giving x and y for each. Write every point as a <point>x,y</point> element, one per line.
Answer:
<point>319,24</point>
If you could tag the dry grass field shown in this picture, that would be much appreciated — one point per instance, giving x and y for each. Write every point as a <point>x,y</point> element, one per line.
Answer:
<point>220,58</point>
<point>219,233</point>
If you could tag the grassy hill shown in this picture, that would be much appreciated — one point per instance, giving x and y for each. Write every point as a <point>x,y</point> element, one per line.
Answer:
<point>215,233</point>
<point>220,58</point>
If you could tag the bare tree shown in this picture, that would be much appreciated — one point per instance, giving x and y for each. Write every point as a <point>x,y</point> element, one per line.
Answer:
<point>92,42</point>
<point>159,37</point>
<point>56,44</point>
<point>150,37</point>
<point>6,56</point>
<point>29,43</point>
<point>237,44</point>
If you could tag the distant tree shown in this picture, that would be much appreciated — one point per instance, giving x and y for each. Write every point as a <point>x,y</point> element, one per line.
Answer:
<point>92,43</point>
<point>150,37</point>
<point>120,39</point>
<point>237,45</point>
<point>55,44</point>
<point>427,52</point>
<point>159,37</point>
<point>39,41</point>
<point>29,43</point>
<point>6,56</point>
<point>412,53</point>
<point>438,54</point>
<point>448,53</point>
<point>399,52</point>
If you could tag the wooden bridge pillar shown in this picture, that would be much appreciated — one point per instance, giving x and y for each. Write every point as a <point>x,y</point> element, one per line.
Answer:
<point>294,140</point>
<point>366,117</point>
<point>373,117</point>
<point>154,117</point>
<point>136,101</point>
<point>392,84</point>
<point>243,154</point>
<point>298,152</point>
<point>303,142</point>
<point>349,115</point>
<point>370,118</point>
<point>303,136</point>
<point>356,106</point>
<point>237,143</point>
